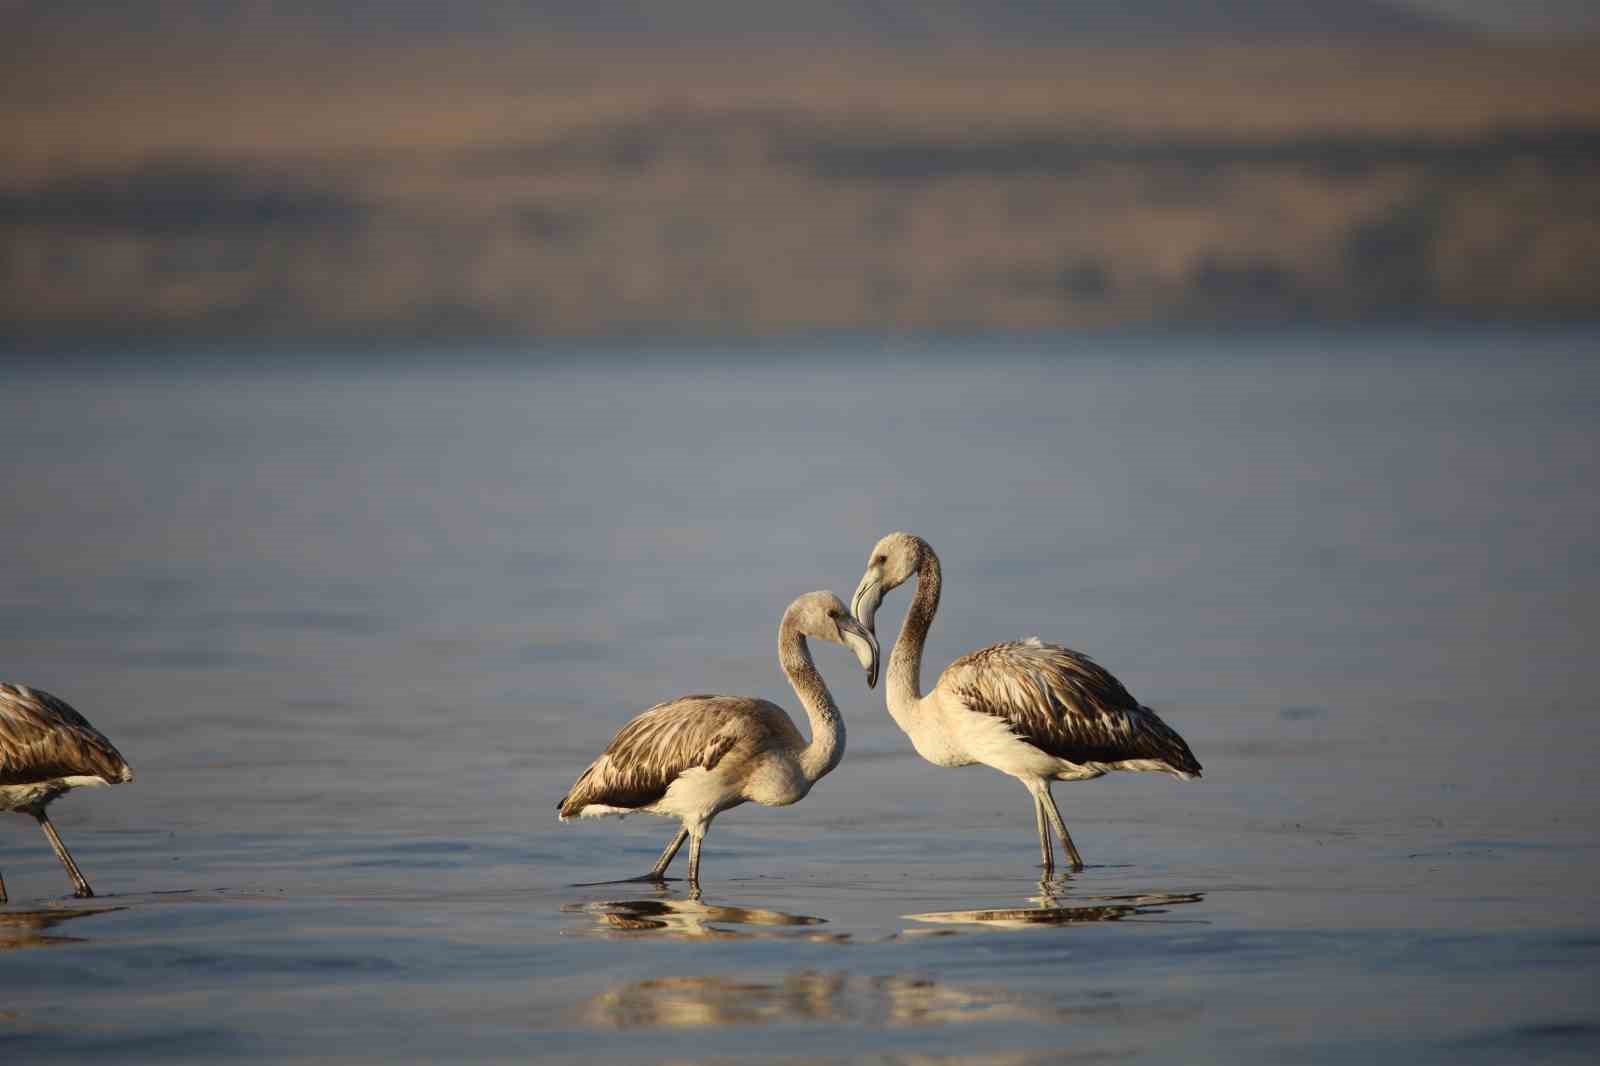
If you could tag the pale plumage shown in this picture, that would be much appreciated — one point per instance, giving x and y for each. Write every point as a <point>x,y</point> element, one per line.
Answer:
<point>653,751</point>
<point>694,757</point>
<point>46,749</point>
<point>1036,711</point>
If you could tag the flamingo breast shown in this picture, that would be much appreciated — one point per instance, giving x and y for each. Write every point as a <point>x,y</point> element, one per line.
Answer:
<point>775,780</point>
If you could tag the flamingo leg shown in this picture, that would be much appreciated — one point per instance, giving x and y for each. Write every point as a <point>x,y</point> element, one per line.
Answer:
<point>1049,862</point>
<point>3,896</point>
<point>659,871</point>
<point>1049,802</point>
<point>81,887</point>
<point>657,874</point>
<point>694,860</point>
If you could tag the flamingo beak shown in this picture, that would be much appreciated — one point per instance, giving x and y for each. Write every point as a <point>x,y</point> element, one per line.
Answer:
<point>865,603</point>
<point>859,639</point>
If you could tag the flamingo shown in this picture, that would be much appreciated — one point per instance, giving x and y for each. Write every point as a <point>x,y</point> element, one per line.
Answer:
<point>696,756</point>
<point>46,750</point>
<point>1036,711</point>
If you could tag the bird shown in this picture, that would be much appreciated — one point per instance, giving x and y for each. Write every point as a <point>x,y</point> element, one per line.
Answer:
<point>46,750</point>
<point>696,756</point>
<point>1036,711</point>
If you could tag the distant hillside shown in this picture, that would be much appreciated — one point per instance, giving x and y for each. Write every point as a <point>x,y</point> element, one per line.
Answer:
<point>766,222</point>
<point>521,187</point>
<point>882,22</point>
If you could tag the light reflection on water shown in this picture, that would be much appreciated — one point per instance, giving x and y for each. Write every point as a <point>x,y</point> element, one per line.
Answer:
<point>836,997</point>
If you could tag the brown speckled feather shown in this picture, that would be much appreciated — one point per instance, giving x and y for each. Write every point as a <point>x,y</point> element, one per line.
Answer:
<point>42,739</point>
<point>1065,704</point>
<point>647,756</point>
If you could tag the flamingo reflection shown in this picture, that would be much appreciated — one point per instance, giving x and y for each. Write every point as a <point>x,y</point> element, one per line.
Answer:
<point>26,929</point>
<point>684,1002</point>
<point>1053,909</point>
<point>694,918</point>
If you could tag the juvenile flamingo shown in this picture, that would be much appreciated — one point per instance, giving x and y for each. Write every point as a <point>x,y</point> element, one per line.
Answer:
<point>46,750</point>
<point>1036,711</point>
<point>696,756</point>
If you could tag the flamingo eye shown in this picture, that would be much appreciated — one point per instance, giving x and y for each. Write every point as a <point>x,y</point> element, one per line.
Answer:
<point>879,561</point>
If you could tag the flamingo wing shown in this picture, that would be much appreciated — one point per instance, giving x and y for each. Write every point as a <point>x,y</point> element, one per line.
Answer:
<point>42,738</point>
<point>1066,705</point>
<point>649,753</point>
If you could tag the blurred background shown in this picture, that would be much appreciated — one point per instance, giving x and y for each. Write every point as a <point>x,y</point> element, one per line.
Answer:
<point>406,386</point>
<point>397,169</point>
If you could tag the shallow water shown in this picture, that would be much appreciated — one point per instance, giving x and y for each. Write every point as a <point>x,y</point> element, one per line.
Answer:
<point>358,623</point>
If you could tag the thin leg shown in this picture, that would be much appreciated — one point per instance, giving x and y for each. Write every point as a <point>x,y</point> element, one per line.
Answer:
<point>659,873</point>
<point>1061,827</point>
<point>694,859</point>
<point>1049,863</point>
<point>81,887</point>
<point>3,896</point>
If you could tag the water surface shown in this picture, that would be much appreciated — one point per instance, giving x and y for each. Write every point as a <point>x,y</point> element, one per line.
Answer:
<point>359,621</point>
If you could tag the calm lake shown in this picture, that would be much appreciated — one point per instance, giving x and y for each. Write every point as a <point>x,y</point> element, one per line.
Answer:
<point>358,621</point>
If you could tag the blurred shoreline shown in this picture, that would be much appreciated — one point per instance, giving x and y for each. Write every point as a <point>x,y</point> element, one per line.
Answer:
<point>468,190</point>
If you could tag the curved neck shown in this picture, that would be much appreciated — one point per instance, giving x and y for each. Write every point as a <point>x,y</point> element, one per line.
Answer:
<point>827,728</point>
<point>903,685</point>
